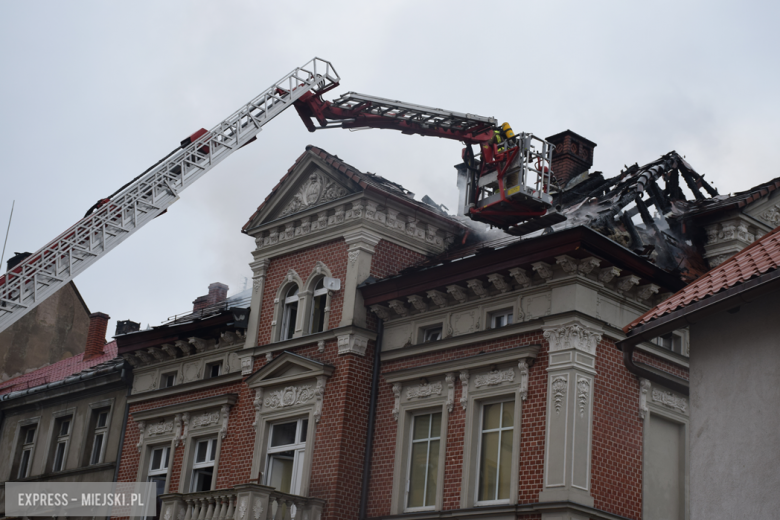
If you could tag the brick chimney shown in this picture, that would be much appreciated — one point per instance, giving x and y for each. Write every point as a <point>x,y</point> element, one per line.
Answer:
<point>573,155</point>
<point>96,336</point>
<point>217,293</point>
<point>126,327</point>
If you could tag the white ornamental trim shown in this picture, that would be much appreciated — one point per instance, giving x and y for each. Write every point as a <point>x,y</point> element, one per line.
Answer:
<point>450,379</point>
<point>204,419</point>
<point>495,377</point>
<point>464,380</point>
<point>670,400</point>
<point>644,388</point>
<point>523,390</point>
<point>423,390</point>
<point>572,336</point>
<point>289,396</point>
<point>159,428</point>
<point>559,385</point>
<point>397,394</point>
<point>583,393</point>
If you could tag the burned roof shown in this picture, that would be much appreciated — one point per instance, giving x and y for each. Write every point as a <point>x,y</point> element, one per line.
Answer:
<point>699,208</point>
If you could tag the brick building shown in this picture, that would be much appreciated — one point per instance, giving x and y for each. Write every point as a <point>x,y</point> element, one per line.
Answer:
<point>390,361</point>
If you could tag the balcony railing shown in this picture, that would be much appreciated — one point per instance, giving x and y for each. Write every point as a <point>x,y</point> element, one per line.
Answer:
<point>242,502</point>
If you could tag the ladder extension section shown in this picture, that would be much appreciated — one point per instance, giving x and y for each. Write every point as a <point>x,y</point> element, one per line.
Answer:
<point>43,273</point>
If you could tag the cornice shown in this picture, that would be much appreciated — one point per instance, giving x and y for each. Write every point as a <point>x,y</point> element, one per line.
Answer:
<point>189,406</point>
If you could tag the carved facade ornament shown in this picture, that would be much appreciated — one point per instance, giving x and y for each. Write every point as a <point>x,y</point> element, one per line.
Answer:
<point>771,216</point>
<point>495,377</point>
<point>242,509</point>
<point>141,428</point>
<point>289,396</point>
<point>397,394</point>
<point>381,311</point>
<point>353,256</point>
<point>476,286</point>
<point>449,378</point>
<point>158,354</point>
<point>607,274</point>
<point>352,344</point>
<point>559,385</point>
<point>499,282</point>
<point>143,356</point>
<point>583,392</point>
<point>523,390</point>
<point>644,388</point>
<point>670,400</point>
<point>572,336</point>
<point>224,412</point>
<point>423,390</point>
<point>645,292</point>
<point>185,421</point>
<point>130,358</point>
<point>258,404</point>
<point>627,283</point>
<point>257,509</point>
<point>319,393</point>
<point>567,263</point>
<point>246,365</point>
<point>170,350</point>
<point>521,276</point>
<point>316,190</point>
<point>458,292</point>
<point>204,419</point>
<point>464,381</point>
<point>159,428</point>
<point>201,345</point>
<point>418,302</point>
<point>588,264</point>
<point>176,429</point>
<point>321,345</point>
<point>184,346</point>
<point>399,307</point>
<point>438,298</point>
<point>543,269</point>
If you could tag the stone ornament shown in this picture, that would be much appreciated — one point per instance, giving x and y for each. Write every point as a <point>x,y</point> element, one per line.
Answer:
<point>499,282</point>
<point>397,394</point>
<point>520,276</point>
<point>438,298</point>
<point>159,428</point>
<point>289,396</point>
<point>418,302</point>
<point>316,190</point>
<point>771,216</point>
<point>246,366</point>
<point>225,413</point>
<point>559,385</point>
<point>572,336</point>
<point>588,264</point>
<point>382,312</point>
<point>495,377</point>
<point>399,307</point>
<point>352,344</point>
<point>523,390</point>
<point>583,392</point>
<point>258,404</point>
<point>644,388</point>
<point>176,429</point>
<point>626,283</point>
<point>464,381</point>
<point>645,292</point>
<point>258,508</point>
<point>423,390</point>
<point>670,400</point>
<point>567,263</point>
<point>449,378</point>
<point>141,427</point>
<point>242,509</point>
<point>476,286</point>
<point>204,419</point>
<point>319,393</point>
<point>543,269</point>
<point>457,292</point>
<point>607,274</point>
<point>321,345</point>
<point>353,256</point>
<point>185,420</point>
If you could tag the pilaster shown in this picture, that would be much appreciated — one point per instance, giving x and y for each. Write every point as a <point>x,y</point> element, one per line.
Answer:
<point>571,379</point>
<point>259,270</point>
<point>360,251</point>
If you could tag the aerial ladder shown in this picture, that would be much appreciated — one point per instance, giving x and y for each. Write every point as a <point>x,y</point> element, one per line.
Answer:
<point>506,183</point>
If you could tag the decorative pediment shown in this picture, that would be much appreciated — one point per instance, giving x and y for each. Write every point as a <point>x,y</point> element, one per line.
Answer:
<point>288,368</point>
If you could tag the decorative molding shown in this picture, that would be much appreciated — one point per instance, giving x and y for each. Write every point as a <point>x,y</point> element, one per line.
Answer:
<point>319,393</point>
<point>399,307</point>
<point>670,400</point>
<point>543,269</point>
<point>161,427</point>
<point>185,421</point>
<point>588,264</point>
<point>771,216</point>
<point>458,292</point>
<point>567,263</point>
<point>449,378</point>
<point>583,392</point>
<point>246,365</point>
<point>257,509</point>
<point>495,377</point>
<point>423,390</point>
<point>644,388</point>
<point>418,302</point>
<point>438,298</point>
<point>353,256</point>
<point>352,344</point>
<point>171,350</point>
<point>176,429</point>
<point>572,336</point>
<point>627,283</point>
<point>204,419</point>
<point>464,381</point>
<point>289,396</point>
<point>242,509</point>
<point>558,386</point>
<point>158,354</point>
<point>499,282</point>
<point>521,276</point>
<point>523,390</point>
<point>476,286</point>
<point>645,292</point>
<point>607,274</point>
<point>381,311</point>
<point>321,346</point>
<point>317,189</point>
<point>143,356</point>
<point>141,427</point>
<point>201,345</point>
<point>258,404</point>
<point>184,346</point>
<point>225,413</point>
<point>397,394</point>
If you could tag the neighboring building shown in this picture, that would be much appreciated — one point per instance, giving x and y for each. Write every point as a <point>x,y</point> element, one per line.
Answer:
<point>497,391</point>
<point>732,315</point>
<point>55,330</point>
<point>64,422</point>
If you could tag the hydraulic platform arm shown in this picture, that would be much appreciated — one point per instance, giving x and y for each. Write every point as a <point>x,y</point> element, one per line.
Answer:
<point>114,219</point>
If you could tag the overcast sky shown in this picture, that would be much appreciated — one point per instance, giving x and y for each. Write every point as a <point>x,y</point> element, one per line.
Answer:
<point>93,93</point>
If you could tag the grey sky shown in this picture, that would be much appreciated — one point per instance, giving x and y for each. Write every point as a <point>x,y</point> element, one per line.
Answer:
<point>93,93</point>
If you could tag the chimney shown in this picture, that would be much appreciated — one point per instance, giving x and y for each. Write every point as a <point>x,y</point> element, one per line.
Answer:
<point>96,336</point>
<point>573,155</point>
<point>217,294</point>
<point>126,327</point>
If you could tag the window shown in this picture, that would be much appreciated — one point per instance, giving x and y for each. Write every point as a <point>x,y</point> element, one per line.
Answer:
<point>423,462</point>
<point>671,342</point>
<point>318,306</point>
<point>203,465</point>
<point>99,436</point>
<point>168,380</point>
<point>286,449</point>
<point>62,427</point>
<point>495,452</point>
<point>158,467</point>
<point>501,318</point>
<point>26,445</point>
<point>432,334</point>
<point>289,313</point>
<point>213,369</point>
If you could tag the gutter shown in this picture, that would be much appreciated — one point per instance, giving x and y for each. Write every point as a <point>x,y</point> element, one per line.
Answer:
<point>371,421</point>
<point>693,313</point>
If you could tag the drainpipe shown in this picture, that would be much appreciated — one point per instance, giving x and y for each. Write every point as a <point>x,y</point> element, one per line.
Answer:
<point>371,420</point>
<point>127,378</point>
<point>628,361</point>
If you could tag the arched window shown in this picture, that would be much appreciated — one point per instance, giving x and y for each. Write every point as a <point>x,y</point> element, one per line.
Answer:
<point>318,305</point>
<point>289,313</point>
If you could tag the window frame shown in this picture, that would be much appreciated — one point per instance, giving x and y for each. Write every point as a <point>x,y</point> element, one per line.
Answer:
<point>88,442</point>
<point>212,448</point>
<point>414,414</point>
<point>22,428</point>
<point>58,439</point>
<point>480,432</point>
<point>164,379</point>
<point>427,329</point>
<point>210,366</point>
<point>318,293</point>
<point>503,313</point>
<point>287,311</point>
<point>298,447</point>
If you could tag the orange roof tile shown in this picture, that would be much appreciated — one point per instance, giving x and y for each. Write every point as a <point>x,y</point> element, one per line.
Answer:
<point>761,256</point>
